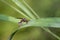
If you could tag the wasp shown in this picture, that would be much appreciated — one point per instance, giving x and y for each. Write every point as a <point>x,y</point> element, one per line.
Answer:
<point>22,20</point>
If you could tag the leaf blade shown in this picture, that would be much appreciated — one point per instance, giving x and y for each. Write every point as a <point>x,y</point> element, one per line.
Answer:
<point>8,18</point>
<point>45,22</point>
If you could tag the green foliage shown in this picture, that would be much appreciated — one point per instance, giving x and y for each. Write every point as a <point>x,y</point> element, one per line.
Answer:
<point>8,18</point>
<point>45,22</point>
<point>24,8</point>
<point>34,21</point>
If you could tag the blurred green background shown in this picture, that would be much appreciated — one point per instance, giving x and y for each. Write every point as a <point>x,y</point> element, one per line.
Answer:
<point>44,8</point>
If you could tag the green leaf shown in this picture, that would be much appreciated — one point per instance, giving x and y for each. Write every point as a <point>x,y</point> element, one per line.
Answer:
<point>21,5</point>
<point>15,9</point>
<point>8,18</point>
<point>44,22</point>
<point>11,36</point>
